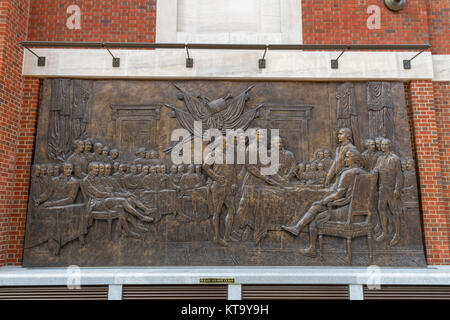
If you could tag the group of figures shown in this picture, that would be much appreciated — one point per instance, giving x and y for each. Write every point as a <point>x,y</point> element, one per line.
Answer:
<point>142,190</point>
<point>395,189</point>
<point>110,186</point>
<point>315,172</point>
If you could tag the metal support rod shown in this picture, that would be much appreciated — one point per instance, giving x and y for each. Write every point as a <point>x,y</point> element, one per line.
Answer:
<point>189,60</point>
<point>407,63</point>
<point>262,62</point>
<point>41,60</point>
<point>212,46</point>
<point>152,45</point>
<point>116,61</point>
<point>335,62</point>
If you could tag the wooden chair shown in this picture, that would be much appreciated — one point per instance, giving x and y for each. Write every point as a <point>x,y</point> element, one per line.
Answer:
<point>362,204</point>
<point>107,215</point>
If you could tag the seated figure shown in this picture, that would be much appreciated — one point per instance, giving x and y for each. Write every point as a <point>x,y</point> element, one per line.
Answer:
<point>339,199</point>
<point>100,199</point>
<point>63,190</point>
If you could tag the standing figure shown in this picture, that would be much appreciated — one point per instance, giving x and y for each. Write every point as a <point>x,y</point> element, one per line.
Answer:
<point>390,184</point>
<point>369,155</point>
<point>222,192</point>
<point>78,160</point>
<point>98,152</point>
<point>345,144</point>
<point>327,159</point>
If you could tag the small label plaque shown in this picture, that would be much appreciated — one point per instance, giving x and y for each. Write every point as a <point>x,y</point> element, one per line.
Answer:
<point>217,280</point>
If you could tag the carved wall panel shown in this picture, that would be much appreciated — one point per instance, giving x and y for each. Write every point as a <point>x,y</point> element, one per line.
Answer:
<point>105,192</point>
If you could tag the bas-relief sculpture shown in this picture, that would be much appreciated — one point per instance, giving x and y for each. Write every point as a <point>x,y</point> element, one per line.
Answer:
<point>104,191</point>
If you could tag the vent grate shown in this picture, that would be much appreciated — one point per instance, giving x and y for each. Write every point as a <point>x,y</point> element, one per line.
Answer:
<point>402,292</point>
<point>295,292</point>
<point>53,293</point>
<point>174,292</point>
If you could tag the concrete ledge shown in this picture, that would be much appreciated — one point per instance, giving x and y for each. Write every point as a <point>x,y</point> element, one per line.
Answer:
<point>228,64</point>
<point>17,276</point>
<point>441,65</point>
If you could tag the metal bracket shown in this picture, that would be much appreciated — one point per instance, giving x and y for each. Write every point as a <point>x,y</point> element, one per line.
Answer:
<point>335,62</point>
<point>262,62</point>
<point>41,60</point>
<point>116,61</point>
<point>189,60</point>
<point>407,63</point>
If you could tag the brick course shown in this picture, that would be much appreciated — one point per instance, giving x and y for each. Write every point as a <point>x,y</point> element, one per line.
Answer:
<point>13,28</point>
<point>104,21</point>
<point>345,22</point>
<point>24,153</point>
<point>427,121</point>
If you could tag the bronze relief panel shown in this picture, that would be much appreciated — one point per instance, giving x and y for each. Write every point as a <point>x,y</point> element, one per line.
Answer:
<point>105,190</point>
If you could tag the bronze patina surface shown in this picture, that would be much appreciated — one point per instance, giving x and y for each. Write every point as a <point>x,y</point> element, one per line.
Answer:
<point>104,191</point>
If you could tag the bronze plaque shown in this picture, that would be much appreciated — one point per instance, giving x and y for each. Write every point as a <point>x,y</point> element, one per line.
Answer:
<point>105,190</point>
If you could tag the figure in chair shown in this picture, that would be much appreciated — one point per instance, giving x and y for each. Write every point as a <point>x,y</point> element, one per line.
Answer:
<point>338,199</point>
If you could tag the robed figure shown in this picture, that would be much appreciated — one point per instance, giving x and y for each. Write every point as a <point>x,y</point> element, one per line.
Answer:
<point>381,110</point>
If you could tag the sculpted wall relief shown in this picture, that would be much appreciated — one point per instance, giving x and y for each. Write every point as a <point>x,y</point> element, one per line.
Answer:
<point>105,190</point>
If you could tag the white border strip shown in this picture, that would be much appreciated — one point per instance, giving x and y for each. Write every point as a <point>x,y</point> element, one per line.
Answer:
<point>227,64</point>
<point>17,276</point>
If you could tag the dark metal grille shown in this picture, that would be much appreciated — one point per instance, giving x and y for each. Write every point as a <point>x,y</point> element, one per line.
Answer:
<point>174,292</point>
<point>294,292</point>
<point>53,293</point>
<point>391,292</point>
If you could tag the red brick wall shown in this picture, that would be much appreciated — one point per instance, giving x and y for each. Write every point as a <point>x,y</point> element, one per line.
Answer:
<point>104,21</point>
<point>442,105</point>
<point>427,121</point>
<point>23,161</point>
<point>439,25</point>
<point>345,22</point>
<point>13,28</point>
